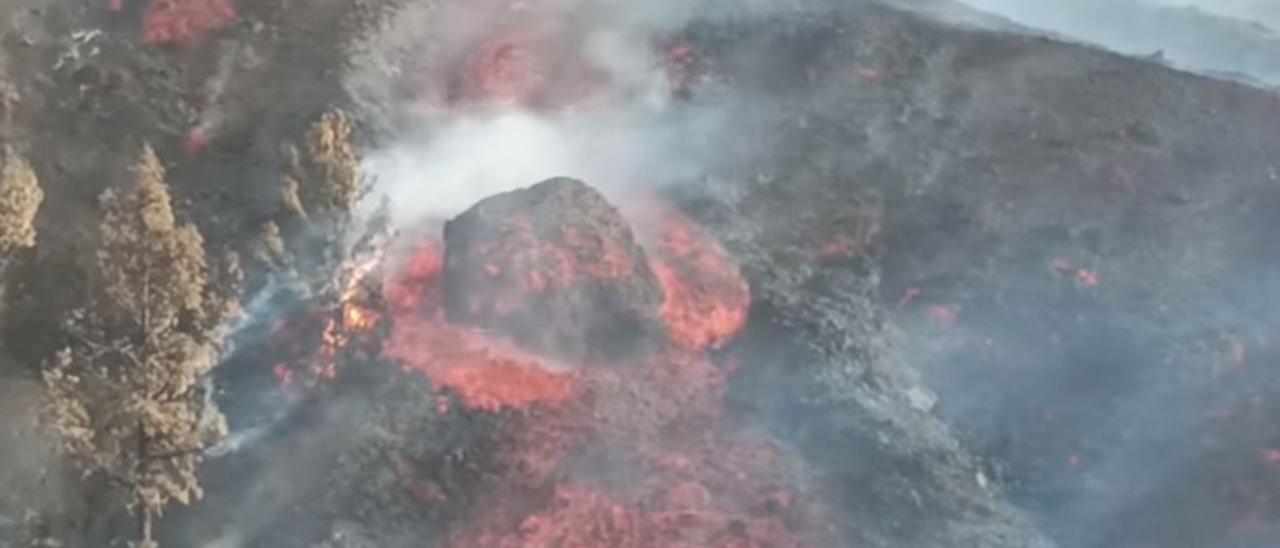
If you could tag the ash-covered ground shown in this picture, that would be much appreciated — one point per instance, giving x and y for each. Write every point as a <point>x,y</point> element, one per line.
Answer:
<point>825,274</point>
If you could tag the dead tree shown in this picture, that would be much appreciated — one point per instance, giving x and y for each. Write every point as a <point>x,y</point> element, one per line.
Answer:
<point>321,186</point>
<point>20,198</point>
<point>325,245</point>
<point>126,394</point>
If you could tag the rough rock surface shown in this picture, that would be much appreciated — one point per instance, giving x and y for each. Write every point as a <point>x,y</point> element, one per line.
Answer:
<point>1074,241</point>
<point>555,267</point>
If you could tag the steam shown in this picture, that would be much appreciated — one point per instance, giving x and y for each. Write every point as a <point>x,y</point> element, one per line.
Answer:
<point>440,173</point>
<point>437,159</point>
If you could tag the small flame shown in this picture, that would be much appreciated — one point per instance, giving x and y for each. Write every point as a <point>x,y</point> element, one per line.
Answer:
<point>357,318</point>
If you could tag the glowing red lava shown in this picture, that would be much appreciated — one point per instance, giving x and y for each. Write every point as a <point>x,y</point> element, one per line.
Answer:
<point>185,22</point>
<point>706,298</point>
<point>486,374</point>
<point>678,472</point>
<point>502,72</point>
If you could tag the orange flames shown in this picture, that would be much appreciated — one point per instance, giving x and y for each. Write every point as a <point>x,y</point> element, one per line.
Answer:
<point>337,326</point>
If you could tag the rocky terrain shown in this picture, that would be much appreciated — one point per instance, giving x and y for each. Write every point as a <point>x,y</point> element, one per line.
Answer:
<point>929,282</point>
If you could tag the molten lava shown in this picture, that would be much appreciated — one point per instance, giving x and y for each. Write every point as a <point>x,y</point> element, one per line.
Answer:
<point>676,472</point>
<point>502,72</point>
<point>185,22</point>
<point>637,452</point>
<point>518,315</point>
<point>705,298</point>
<point>485,374</point>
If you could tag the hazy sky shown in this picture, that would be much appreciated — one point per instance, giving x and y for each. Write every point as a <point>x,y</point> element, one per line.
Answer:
<point>1266,12</point>
<point>1216,37</point>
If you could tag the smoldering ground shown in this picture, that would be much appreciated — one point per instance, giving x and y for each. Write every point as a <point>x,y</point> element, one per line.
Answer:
<point>433,157</point>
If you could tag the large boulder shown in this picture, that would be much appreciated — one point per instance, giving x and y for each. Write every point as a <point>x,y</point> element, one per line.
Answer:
<point>555,267</point>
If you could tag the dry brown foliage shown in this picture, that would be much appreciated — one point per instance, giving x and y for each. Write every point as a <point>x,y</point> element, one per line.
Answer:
<point>126,394</point>
<point>338,184</point>
<point>20,198</point>
<point>321,185</point>
<point>327,178</point>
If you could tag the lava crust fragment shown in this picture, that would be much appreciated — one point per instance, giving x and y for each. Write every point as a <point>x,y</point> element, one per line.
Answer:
<point>555,267</point>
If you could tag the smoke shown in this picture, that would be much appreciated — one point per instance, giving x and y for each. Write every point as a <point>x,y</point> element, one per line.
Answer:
<point>591,94</point>
<point>593,100</point>
<point>1235,38</point>
<point>439,173</point>
<point>1261,11</point>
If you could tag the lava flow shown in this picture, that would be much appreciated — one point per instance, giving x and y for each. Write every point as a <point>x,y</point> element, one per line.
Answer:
<point>184,22</point>
<point>629,451</point>
<point>705,299</point>
<point>588,344</point>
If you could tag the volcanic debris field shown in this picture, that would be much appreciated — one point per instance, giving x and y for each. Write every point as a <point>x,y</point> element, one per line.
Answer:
<point>407,273</point>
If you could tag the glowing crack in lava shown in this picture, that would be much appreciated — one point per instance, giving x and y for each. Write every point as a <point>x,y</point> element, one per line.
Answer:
<point>635,452</point>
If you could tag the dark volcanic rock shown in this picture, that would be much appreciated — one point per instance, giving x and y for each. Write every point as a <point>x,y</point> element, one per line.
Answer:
<point>554,266</point>
<point>1091,228</point>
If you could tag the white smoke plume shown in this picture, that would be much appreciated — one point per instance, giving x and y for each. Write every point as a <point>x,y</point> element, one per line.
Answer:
<point>438,153</point>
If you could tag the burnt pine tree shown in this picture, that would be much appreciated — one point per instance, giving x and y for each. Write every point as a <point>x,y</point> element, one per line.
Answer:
<point>126,394</point>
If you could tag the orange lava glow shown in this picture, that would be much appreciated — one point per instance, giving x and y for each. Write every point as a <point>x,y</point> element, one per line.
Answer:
<point>679,473</point>
<point>706,299</point>
<point>692,479</point>
<point>658,419</point>
<point>486,375</point>
<point>185,22</point>
<point>415,285</point>
<point>502,72</point>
